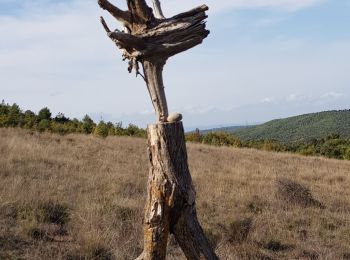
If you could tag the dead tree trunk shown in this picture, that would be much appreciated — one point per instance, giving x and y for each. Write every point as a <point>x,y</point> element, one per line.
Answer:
<point>170,206</point>
<point>150,39</point>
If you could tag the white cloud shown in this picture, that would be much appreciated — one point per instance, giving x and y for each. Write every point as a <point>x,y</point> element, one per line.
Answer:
<point>267,100</point>
<point>333,95</point>
<point>295,97</point>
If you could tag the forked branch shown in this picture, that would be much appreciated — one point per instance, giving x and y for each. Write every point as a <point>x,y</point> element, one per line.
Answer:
<point>122,16</point>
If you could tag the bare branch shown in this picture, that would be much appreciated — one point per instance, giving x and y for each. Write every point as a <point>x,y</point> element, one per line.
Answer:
<point>104,24</point>
<point>175,48</point>
<point>127,40</point>
<point>122,16</point>
<point>140,11</point>
<point>192,12</point>
<point>158,13</point>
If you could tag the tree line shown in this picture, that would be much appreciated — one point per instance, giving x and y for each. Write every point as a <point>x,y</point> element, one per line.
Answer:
<point>332,146</point>
<point>43,121</point>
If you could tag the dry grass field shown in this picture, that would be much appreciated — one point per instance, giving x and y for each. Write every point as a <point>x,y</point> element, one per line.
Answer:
<point>81,197</point>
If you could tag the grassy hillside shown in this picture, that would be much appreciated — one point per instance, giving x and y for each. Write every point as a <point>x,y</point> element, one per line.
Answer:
<point>300,128</point>
<point>81,197</point>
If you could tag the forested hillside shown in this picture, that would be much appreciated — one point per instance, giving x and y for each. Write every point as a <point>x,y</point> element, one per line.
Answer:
<point>301,128</point>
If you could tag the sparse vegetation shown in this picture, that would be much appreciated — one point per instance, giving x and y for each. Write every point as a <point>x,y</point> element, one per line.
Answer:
<point>82,197</point>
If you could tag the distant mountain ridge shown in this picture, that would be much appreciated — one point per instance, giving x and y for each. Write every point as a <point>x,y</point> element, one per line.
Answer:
<point>297,128</point>
<point>228,129</point>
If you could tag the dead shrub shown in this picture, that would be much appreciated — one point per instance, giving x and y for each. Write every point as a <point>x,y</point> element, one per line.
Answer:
<point>296,194</point>
<point>51,212</point>
<point>276,246</point>
<point>312,255</point>
<point>239,230</point>
<point>37,234</point>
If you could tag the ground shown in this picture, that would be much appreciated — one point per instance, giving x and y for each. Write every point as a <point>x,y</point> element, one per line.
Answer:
<point>81,197</point>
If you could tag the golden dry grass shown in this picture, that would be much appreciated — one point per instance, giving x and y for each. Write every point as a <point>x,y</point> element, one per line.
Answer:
<point>81,197</point>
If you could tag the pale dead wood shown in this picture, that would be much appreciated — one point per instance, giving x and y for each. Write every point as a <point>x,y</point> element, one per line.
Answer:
<point>158,9</point>
<point>170,207</point>
<point>154,78</point>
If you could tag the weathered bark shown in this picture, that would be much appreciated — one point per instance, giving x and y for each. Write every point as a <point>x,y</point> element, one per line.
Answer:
<point>150,39</point>
<point>154,79</point>
<point>170,205</point>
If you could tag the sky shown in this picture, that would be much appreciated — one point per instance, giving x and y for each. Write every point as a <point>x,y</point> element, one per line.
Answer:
<point>264,59</point>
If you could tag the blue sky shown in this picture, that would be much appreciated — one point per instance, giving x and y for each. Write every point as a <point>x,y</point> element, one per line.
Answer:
<point>264,59</point>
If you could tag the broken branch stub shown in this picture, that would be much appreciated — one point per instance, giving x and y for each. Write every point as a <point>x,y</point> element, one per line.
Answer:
<point>158,13</point>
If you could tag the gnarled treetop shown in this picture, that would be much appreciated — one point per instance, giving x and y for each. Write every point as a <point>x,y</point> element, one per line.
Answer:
<point>148,35</point>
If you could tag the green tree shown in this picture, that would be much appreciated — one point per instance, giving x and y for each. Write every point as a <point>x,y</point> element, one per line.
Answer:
<point>29,119</point>
<point>4,109</point>
<point>101,129</point>
<point>14,116</point>
<point>111,129</point>
<point>60,118</point>
<point>88,125</point>
<point>221,139</point>
<point>44,125</point>
<point>332,148</point>
<point>194,136</point>
<point>118,129</point>
<point>347,153</point>
<point>44,114</point>
<point>134,130</point>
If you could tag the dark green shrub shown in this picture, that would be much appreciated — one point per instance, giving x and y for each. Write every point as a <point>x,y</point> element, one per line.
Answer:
<point>44,114</point>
